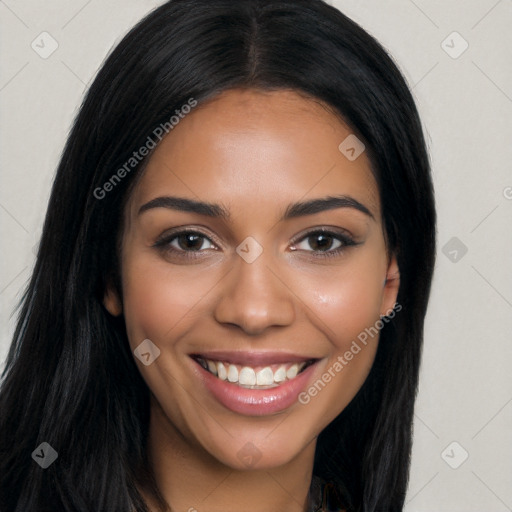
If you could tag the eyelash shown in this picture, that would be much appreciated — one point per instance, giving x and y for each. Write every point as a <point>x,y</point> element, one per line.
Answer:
<point>165,240</point>
<point>346,241</point>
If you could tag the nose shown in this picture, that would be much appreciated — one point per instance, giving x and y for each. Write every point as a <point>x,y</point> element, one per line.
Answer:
<point>255,297</point>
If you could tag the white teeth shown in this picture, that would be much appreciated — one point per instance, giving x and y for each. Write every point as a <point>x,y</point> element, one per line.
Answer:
<point>265,377</point>
<point>292,371</point>
<point>280,374</point>
<point>247,376</point>
<point>232,373</point>
<point>212,367</point>
<point>221,371</point>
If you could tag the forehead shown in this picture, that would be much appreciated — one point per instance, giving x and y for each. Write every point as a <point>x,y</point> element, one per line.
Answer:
<point>252,149</point>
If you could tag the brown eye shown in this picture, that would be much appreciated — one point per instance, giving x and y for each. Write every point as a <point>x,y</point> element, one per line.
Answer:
<point>323,243</point>
<point>189,241</point>
<point>184,244</point>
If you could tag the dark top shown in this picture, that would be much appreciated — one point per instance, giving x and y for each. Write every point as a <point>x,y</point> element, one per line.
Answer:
<point>323,497</point>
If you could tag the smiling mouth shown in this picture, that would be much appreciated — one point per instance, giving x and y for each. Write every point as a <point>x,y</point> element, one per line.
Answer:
<point>253,377</point>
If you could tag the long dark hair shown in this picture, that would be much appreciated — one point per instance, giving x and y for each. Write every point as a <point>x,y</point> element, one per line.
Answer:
<point>70,378</point>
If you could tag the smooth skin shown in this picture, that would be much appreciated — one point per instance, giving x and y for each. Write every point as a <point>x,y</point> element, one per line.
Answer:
<point>253,153</point>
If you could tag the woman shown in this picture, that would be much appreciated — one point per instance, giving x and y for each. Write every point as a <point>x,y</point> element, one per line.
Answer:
<point>227,307</point>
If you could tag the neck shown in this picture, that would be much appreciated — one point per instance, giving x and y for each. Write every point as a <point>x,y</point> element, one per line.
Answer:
<point>191,479</point>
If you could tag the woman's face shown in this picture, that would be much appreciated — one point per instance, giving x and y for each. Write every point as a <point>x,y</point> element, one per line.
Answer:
<point>224,265</point>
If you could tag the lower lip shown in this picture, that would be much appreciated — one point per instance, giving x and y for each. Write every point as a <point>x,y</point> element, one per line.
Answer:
<point>256,402</point>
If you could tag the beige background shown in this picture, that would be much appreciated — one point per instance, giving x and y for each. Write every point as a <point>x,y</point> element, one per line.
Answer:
<point>466,106</point>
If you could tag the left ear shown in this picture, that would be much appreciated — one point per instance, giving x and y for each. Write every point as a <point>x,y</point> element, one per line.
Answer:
<point>391,287</point>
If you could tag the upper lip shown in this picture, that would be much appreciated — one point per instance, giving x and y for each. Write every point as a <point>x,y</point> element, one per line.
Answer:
<point>253,358</point>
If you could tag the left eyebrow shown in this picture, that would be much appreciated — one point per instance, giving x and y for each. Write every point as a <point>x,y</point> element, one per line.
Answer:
<point>323,204</point>
<point>292,211</point>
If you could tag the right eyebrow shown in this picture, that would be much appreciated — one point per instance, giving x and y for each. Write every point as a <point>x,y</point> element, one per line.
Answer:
<point>186,205</point>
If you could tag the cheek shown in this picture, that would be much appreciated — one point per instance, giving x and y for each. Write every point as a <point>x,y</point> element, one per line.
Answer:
<point>158,301</point>
<point>346,300</point>
<point>346,307</point>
